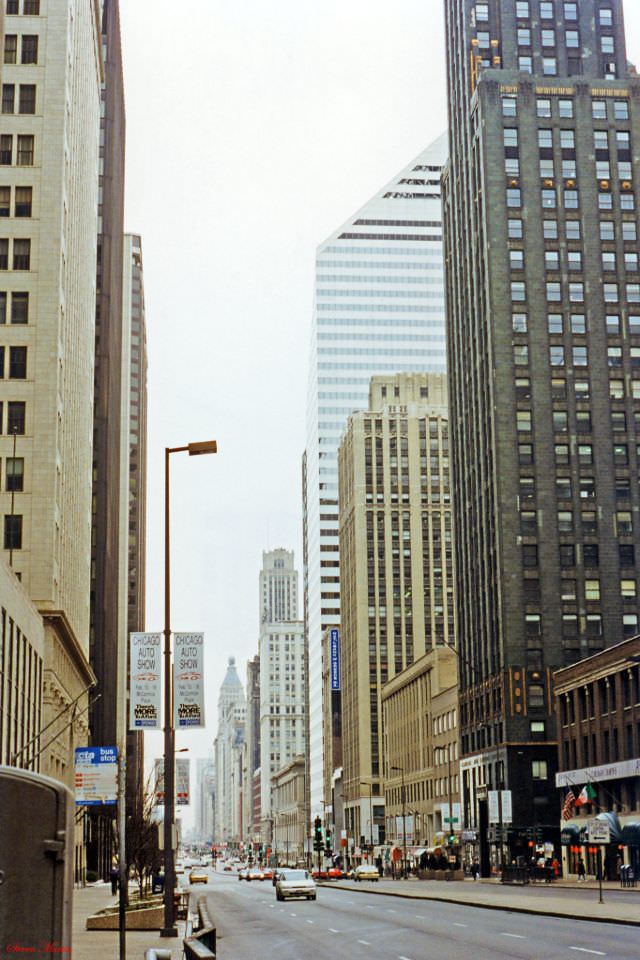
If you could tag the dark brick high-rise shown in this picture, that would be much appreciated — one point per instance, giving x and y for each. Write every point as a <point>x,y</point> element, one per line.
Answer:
<point>544,338</point>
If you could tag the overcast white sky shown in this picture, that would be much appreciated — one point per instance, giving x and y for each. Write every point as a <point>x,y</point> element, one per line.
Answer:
<point>254,130</point>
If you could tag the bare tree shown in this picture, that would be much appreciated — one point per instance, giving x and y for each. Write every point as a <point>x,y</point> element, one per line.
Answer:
<point>143,854</point>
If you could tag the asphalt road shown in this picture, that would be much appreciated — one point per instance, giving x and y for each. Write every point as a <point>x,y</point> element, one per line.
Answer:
<point>252,924</point>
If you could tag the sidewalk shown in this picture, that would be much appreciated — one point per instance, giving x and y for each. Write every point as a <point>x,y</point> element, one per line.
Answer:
<point>578,902</point>
<point>104,944</point>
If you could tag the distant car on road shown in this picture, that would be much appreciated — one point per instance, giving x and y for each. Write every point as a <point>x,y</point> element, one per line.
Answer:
<point>366,871</point>
<point>335,873</point>
<point>198,875</point>
<point>227,867</point>
<point>255,874</point>
<point>295,883</point>
<point>243,873</point>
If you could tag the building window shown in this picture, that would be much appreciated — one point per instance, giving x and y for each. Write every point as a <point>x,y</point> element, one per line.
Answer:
<point>12,532</point>
<point>567,555</point>
<point>12,6</point>
<point>556,355</point>
<point>518,291</point>
<point>19,308</point>
<point>24,200</point>
<point>5,201</point>
<point>31,8</point>
<point>18,363</point>
<point>25,150</point>
<point>8,97</point>
<point>14,474</point>
<point>16,417</point>
<point>591,554</point>
<point>509,106</point>
<point>22,254</point>
<point>519,322</point>
<point>543,108</point>
<point>10,48</point>
<point>27,98</point>
<point>29,48</point>
<point>514,199</point>
<point>6,149</point>
<point>550,229</point>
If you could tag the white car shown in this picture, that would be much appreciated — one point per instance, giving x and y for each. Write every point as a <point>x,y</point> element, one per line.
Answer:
<point>366,871</point>
<point>295,883</point>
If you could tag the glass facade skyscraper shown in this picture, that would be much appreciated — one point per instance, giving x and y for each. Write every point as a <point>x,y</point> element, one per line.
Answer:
<point>379,309</point>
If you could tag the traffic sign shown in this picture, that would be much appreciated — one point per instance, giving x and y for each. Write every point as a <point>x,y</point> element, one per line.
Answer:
<point>96,775</point>
<point>451,820</point>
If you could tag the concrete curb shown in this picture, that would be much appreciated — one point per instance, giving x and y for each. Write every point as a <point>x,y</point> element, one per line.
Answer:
<point>562,915</point>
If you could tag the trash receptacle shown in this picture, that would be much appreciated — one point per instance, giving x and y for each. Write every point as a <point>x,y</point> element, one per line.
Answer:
<point>157,884</point>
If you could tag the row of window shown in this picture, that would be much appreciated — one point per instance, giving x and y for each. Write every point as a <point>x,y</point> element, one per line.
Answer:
<point>24,150</point>
<point>14,307</point>
<point>573,262</point>
<point>568,553</point>
<point>28,48</point>
<point>16,202</point>
<point>25,102</point>
<point>570,199</point>
<point>575,289</point>
<point>576,324</point>
<point>18,255</point>
<point>17,368</point>
<point>572,230</point>
<point>600,109</point>
<point>30,8</point>
<point>547,10</point>
<point>549,39</point>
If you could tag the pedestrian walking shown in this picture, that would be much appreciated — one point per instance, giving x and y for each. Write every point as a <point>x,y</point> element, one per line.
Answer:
<point>582,871</point>
<point>114,879</point>
<point>475,869</point>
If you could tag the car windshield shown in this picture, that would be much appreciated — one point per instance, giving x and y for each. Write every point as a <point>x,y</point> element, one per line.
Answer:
<point>294,875</point>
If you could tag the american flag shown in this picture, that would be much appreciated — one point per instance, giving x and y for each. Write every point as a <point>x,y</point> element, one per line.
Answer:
<point>568,805</point>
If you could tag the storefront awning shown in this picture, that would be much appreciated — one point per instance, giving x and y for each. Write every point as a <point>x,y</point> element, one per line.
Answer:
<point>615,830</point>
<point>570,835</point>
<point>631,834</point>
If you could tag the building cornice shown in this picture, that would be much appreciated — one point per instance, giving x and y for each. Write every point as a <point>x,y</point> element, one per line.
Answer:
<point>57,620</point>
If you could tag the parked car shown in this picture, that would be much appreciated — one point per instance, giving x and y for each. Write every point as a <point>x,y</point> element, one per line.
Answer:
<point>198,875</point>
<point>319,874</point>
<point>366,871</point>
<point>267,873</point>
<point>295,883</point>
<point>335,873</point>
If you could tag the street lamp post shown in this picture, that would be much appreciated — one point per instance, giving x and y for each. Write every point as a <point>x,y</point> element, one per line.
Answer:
<point>169,929</point>
<point>404,821</point>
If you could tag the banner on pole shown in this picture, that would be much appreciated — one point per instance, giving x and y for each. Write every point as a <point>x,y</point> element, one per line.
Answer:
<point>494,806</point>
<point>335,659</point>
<point>145,669</point>
<point>182,792</point>
<point>507,807</point>
<point>188,680</point>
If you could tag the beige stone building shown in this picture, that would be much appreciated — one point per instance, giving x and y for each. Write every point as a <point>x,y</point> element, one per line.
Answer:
<point>289,812</point>
<point>420,719</point>
<point>49,144</point>
<point>396,566</point>
<point>21,674</point>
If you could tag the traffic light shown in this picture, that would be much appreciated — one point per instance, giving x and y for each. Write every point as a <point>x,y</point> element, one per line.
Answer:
<point>327,842</point>
<point>452,839</point>
<point>318,842</point>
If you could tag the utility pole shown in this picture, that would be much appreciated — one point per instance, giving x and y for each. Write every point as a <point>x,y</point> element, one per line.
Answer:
<point>122,849</point>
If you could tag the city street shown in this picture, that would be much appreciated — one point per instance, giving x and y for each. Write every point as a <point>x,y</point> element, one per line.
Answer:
<point>251,922</point>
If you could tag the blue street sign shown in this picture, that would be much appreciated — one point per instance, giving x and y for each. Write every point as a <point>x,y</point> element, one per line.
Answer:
<point>335,659</point>
<point>96,775</point>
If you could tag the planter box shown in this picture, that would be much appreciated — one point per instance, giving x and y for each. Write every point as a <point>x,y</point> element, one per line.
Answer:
<point>149,918</point>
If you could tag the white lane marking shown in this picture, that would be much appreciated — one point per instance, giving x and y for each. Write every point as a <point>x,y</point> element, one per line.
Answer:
<point>294,914</point>
<point>364,943</point>
<point>369,906</point>
<point>460,924</point>
<point>404,958</point>
<point>392,911</point>
<point>331,930</point>
<point>310,921</point>
<point>516,936</point>
<point>598,953</point>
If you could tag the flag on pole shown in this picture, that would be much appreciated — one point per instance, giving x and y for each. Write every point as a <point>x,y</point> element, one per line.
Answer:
<point>586,795</point>
<point>568,805</point>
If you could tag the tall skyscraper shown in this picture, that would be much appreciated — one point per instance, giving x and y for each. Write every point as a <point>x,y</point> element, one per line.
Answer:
<point>379,308</point>
<point>228,745</point>
<point>109,533</point>
<point>252,761</point>
<point>281,676</point>
<point>396,566</point>
<point>49,151</point>
<point>135,387</point>
<point>543,297</point>
<point>278,587</point>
